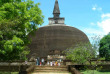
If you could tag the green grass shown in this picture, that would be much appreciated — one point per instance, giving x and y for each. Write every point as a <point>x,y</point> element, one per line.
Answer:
<point>94,72</point>
<point>8,73</point>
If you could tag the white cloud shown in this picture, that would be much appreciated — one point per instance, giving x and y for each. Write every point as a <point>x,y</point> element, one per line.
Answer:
<point>93,31</point>
<point>95,7</point>
<point>105,15</point>
<point>92,24</point>
<point>101,27</point>
<point>105,25</point>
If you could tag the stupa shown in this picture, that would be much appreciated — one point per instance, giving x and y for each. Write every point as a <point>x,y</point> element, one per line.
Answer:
<point>55,37</point>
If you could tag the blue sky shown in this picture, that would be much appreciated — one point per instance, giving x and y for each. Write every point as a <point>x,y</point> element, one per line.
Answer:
<point>90,16</point>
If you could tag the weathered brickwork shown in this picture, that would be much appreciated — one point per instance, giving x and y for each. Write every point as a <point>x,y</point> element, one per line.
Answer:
<point>55,37</point>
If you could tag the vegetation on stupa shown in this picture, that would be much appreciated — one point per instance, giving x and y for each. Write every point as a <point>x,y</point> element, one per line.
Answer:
<point>18,18</point>
<point>81,53</point>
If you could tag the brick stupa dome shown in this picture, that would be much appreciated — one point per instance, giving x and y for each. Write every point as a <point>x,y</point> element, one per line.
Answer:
<point>55,36</point>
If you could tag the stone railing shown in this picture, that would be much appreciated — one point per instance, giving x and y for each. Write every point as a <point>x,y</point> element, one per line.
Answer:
<point>17,67</point>
<point>73,70</point>
<point>30,69</point>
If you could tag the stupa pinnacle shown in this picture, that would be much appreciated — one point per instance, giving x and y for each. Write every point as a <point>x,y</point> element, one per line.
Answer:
<point>56,11</point>
<point>56,19</point>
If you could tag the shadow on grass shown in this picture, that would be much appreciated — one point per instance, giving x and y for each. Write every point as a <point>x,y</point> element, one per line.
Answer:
<point>104,70</point>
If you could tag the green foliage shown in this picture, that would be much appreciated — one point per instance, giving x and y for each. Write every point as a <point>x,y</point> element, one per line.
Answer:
<point>104,49</point>
<point>9,72</point>
<point>18,18</point>
<point>99,68</point>
<point>80,54</point>
<point>12,49</point>
<point>94,72</point>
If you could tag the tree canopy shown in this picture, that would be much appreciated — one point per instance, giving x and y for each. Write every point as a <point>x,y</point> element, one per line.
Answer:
<point>104,50</point>
<point>81,53</point>
<point>18,18</point>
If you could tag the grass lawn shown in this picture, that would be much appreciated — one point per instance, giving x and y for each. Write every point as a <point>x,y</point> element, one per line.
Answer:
<point>94,72</point>
<point>8,73</point>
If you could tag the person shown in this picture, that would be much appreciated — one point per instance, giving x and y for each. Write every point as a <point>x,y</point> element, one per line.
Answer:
<point>42,61</point>
<point>48,63</point>
<point>36,62</point>
<point>51,63</point>
<point>56,63</point>
<point>40,64</point>
<point>59,64</point>
<point>25,62</point>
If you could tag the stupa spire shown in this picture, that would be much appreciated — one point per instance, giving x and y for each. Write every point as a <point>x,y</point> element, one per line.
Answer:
<point>56,11</point>
<point>56,19</point>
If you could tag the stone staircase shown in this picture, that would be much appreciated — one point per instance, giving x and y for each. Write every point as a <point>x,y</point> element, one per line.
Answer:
<point>51,70</point>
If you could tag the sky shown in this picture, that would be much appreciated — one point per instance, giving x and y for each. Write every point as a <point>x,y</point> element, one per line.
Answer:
<point>90,16</point>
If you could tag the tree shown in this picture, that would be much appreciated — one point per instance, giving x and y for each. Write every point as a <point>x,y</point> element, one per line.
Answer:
<point>18,18</point>
<point>81,54</point>
<point>104,49</point>
<point>95,40</point>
